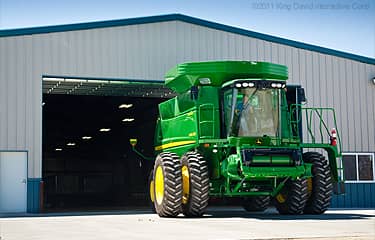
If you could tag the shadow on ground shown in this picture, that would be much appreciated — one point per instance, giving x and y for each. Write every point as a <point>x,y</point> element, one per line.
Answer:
<point>80,212</point>
<point>272,214</point>
<point>212,213</point>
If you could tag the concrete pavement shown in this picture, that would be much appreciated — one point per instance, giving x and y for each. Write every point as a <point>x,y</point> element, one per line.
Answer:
<point>218,224</point>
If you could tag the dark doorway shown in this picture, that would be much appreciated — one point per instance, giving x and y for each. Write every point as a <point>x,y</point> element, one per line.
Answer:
<point>87,159</point>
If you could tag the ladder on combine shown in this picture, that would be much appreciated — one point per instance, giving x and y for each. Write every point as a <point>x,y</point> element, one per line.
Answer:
<point>206,121</point>
<point>319,131</point>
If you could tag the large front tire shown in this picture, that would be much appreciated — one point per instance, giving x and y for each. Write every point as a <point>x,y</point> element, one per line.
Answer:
<point>320,185</point>
<point>195,184</point>
<point>167,185</point>
<point>292,198</point>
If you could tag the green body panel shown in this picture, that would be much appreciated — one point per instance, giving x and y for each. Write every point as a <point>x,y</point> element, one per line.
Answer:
<point>182,77</point>
<point>238,165</point>
<point>178,132</point>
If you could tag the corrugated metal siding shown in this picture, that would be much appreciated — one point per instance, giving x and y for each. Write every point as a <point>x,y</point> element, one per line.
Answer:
<point>358,195</point>
<point>19,118</point>
<point>146,51</point>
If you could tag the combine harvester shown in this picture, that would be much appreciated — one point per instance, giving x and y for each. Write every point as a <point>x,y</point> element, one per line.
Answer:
<point>236,129</point>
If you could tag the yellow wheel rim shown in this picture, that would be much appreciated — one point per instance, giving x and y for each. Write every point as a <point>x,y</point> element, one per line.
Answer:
<point>185,184</point>
<point>281,198</point>
<point>309,185</point>
<point>152,191</point>
<point>159,185</point>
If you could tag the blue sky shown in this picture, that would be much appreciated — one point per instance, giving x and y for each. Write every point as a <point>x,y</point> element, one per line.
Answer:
<point>346,25</point>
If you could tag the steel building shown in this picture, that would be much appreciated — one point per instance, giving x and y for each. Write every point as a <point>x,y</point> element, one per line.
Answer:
<point>46,73</point>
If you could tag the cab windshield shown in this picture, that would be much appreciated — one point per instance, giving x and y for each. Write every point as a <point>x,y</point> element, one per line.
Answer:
<point>251,112</point>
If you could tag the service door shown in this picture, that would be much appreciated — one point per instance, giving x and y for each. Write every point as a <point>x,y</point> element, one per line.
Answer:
<point>13,182</point>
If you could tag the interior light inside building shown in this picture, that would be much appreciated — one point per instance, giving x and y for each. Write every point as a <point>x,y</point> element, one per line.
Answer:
<point>105,130</point>
<point>128,119</point>
<point>126,105</point>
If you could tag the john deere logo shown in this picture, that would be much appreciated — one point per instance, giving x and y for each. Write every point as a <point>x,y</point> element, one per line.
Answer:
<point>258,141</point>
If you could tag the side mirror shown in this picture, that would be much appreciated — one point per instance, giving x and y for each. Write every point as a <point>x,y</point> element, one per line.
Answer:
<point>133,141</point>
<point>301,97</point>
<point>194,93</point>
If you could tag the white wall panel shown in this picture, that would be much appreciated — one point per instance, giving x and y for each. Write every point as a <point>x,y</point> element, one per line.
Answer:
<point>11,93</point>
<point>147,51</point>
<point>328,83</point>
<point>357,116</point>
<point>253,49</point>
<point>294,74</point>
<point>288,60</point>
<point>349,87</point>
<point>370,103</point>
<point>315,81</point>
<point>260,50</point>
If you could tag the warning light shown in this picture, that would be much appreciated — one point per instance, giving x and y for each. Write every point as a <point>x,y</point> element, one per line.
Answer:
<point>333,137</point>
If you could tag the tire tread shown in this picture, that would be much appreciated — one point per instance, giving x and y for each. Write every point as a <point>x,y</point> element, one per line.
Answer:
<point>199,184</point>
<point>171,204</point>
<point>320,197</point>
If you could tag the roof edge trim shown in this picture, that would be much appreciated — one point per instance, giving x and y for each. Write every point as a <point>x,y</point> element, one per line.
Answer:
<point>87,25</point>
<point>275,39</point>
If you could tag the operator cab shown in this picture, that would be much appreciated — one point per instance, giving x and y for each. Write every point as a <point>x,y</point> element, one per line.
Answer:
<point>251,108</point>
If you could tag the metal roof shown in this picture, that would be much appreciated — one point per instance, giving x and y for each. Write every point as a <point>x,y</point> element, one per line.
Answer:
<point>187,19</point>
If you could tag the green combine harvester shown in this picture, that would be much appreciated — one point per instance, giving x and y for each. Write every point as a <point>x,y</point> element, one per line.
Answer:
<point>235,129</point>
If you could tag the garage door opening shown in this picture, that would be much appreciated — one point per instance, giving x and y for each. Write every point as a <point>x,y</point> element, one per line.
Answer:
<point>87,159</point>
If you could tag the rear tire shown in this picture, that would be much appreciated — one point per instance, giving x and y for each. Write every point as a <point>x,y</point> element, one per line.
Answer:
<point>292,198</point>
<point>256,204</point>
<point>168,185</point>
<point>151,186</point>
<point>320,189</point>
<point>195,184</point>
